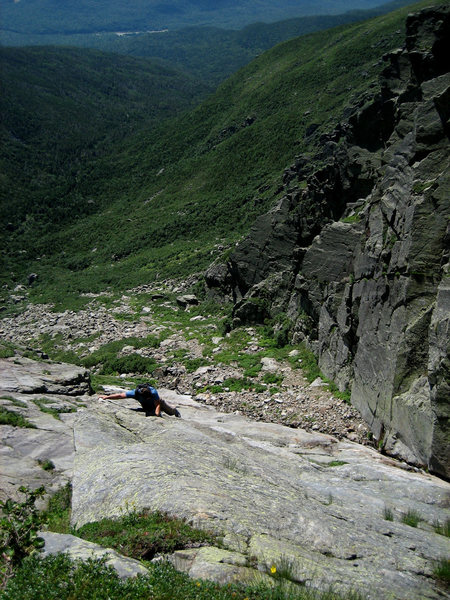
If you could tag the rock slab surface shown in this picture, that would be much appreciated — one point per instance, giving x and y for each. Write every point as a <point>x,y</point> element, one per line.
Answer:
<point>275,494</point>
<point>77,548</point>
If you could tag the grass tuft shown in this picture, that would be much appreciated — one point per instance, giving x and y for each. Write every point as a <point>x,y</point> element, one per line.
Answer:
<point>411,518</point>
<point>55,412</point>
<point>8,417</point>
<point>57,515</point>
<point>46,464</point>
<point>143,534</point>
<point>388,514</point>
<point>442,529</point>
<point>442,571</point>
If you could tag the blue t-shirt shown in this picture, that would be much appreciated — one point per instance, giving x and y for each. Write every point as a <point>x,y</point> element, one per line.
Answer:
<point>132,393</point>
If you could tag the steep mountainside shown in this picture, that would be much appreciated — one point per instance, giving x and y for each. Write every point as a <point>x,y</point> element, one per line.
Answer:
<point>62,109</point>
<point>167,199</point>
<point>355,255</point>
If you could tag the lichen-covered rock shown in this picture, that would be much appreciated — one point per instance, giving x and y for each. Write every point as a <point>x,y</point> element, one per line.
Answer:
<point>79,549</point>
<point>365,253</point>
<point>275,495</point>
<point>46,395</point>
<point>25,376</point>
<point>214,563</point>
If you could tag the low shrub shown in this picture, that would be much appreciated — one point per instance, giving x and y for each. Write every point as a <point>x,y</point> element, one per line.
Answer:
<point>60,578</point>
<point>273,378</point>
<point>132,363</point>
<point>144,534</point>
<point>57,515</point>
<point>6,352</point>
<point>192,364</point>
<point>9,417</point>
<point>19,526</point>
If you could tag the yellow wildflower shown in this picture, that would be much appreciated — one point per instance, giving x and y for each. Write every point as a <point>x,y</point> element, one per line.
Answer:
<point>273,569</point>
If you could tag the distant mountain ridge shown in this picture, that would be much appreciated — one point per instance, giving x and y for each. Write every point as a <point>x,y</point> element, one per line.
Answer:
<point>61,109</point>
<point>43,16</point>
<point>226,50</point>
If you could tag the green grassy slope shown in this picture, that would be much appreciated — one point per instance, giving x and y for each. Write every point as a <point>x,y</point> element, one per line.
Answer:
<point>172,194</point>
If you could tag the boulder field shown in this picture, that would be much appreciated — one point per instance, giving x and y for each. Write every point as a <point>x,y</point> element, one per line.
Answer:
<point>275,495</point>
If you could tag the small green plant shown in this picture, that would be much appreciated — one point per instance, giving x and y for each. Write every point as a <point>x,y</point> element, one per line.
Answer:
<point>388,514</point>
<point>8,417</point>
<point>19,526</point>
<point>234,464</point>
<point>6,352</point>
<point>335,463</point>
<point>272,378</point>
<point>345,395</point>
<point>351,219</point>
<point>411,518</point>
<point>143,534</point>
<point>57,515</point>
<point>442,571</point>
<point>14,401</point>
<point>442,529</point>
<point>420,186</point>
<point>192,364</point>
<point>55,412</point>
<point>282,569</point>
<point>46,464</point>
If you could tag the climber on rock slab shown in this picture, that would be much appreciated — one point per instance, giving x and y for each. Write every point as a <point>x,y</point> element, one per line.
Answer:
<point>148,398</point>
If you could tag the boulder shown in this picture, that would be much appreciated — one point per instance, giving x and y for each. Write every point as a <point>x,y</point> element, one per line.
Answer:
<point>187,300</point>
<point>79,549</point>
<point>47,395</point>
<point>26,376</point>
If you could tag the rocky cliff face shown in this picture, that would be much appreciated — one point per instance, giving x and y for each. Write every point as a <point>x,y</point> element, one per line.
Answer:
<point>356,254</point>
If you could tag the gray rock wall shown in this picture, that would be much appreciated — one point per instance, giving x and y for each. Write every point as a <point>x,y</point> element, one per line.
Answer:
<point>363,271</point>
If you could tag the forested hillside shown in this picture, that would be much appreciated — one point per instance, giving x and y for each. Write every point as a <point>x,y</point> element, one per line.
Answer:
<point>167,199</point>
<point>61,109</point>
